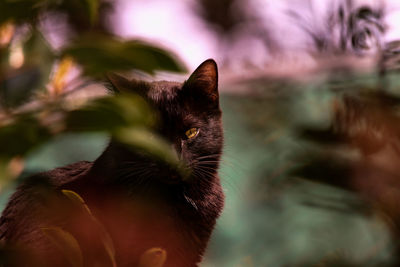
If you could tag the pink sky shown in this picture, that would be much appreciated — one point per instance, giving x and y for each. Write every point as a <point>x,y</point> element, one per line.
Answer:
<point>168,23</point>
<point>171,24</point>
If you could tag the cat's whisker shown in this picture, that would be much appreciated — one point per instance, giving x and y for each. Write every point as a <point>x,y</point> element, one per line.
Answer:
<point>208,156</point>
<point>208,163</point>
<point>228,182</point>
<point>206,172</point>
<point>209,169</point>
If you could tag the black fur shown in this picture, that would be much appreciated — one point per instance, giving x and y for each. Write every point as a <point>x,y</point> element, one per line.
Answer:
<point>142,202</point>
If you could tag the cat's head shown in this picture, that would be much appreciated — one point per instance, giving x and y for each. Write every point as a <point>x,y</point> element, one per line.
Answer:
<point>190,119</point>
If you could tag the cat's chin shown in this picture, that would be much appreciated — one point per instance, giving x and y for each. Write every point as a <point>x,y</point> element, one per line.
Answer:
<point>173,179</point>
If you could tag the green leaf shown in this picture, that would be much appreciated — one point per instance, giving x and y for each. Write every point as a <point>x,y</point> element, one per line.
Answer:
<point>4,56</point>
<point>38,52</point>
<point>154,257</point>
<point>93,10</point>
<point>82,15</point>
<point>19,10</point>
<point>109,113</point>
<point>101,54</point>
<point>20,137</point>
<point>151,144</point>
<point>66,243</point>
<point>18,85</point>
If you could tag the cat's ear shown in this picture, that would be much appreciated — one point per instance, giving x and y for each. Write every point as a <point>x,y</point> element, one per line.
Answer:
<point>204,80</point>
<point>117,84</point>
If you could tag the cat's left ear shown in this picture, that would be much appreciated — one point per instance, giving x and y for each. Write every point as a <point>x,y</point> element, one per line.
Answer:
<point>204,81</point>
<point>117,84</point>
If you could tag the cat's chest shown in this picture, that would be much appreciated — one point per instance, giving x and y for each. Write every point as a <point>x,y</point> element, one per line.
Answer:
<point>178,221</point>
<point>136,225</point>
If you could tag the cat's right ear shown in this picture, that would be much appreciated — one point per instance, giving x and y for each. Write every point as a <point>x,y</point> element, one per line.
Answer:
<point>204,82</point>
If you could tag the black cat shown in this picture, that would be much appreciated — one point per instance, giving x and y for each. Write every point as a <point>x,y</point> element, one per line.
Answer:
<point>140,201</point>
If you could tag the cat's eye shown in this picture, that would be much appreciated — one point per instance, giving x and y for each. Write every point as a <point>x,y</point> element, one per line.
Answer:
<point>192,133</point>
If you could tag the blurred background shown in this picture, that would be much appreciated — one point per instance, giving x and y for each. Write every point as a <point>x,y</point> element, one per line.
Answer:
<point>310,97</point>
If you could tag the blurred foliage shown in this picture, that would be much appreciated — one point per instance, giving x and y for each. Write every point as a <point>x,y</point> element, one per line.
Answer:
<point>35,102</point>
<point>76,213</point>
<point>110,113</point>
<point>112,54</point>
<point>360,152</point>
<point>234,21</point>
<point>294,176</point>
<point>20,137</point>
<point>82,15</point>
<point>66,243</point>
<point>34,107</point>
<point>299,178</point>
<point>154,257</point>
<point>361,28</point>
<point>18,84</point>
<point>107,242</point>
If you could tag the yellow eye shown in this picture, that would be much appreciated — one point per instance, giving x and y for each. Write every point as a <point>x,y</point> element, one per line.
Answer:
<point>192,133</point>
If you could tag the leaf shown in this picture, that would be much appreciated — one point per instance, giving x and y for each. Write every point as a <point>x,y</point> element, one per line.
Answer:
<point>148,142</point>
<point>18,86</point>
<point>109,113</point>
<point>7,31</point>
<point>101,54</point>
<point>93,9</point>
<point>106,239</point>
<point>154,257</point>
<point>20,137</point>
<point>82,15</point>
<point>38,51</point>
<point>66,243</point>
<point>321,136</point>
<point>58,81</point>
<point>327,170</point>
<point>77,199</point>
<point>19,11</point>
<point>108,243</point>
